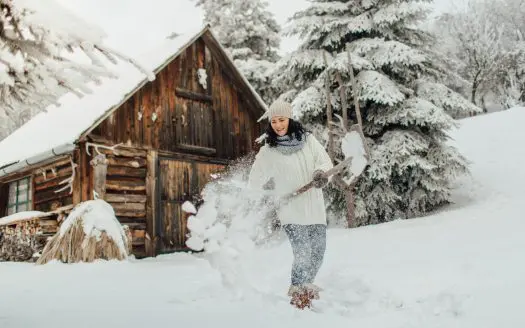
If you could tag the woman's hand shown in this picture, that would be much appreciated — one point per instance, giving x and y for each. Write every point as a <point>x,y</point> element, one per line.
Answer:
<point>320,180</point>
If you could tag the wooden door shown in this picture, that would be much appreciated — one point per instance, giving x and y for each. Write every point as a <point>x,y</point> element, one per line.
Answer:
<point>193,126</point>
<point>179,181</point>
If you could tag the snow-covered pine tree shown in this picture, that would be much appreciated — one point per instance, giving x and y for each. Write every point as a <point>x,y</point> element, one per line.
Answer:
<point>46,51</point>
<point>404,105</point>
<point>250,33</point>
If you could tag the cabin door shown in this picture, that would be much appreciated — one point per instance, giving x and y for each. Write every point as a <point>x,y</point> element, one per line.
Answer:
<point>178,181</point>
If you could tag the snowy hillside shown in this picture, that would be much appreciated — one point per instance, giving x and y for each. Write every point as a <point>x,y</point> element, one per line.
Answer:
<point>463,267</point>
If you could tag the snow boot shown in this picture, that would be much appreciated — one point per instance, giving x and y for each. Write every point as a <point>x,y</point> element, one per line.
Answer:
<point>313,290</point>
<point>301,296</point>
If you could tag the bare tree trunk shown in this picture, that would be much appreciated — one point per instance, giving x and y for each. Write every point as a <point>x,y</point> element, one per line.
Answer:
<point>349,200</point>
<point>329,113</point>
<point>349,195</point>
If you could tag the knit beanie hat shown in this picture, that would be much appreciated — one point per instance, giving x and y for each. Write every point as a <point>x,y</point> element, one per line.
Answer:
<point>278,108</point>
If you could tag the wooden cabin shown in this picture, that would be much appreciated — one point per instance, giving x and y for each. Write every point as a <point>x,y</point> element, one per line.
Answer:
<point>160,139</point>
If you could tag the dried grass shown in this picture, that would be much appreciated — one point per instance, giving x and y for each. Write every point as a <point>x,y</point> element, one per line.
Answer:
<point>74,246</point>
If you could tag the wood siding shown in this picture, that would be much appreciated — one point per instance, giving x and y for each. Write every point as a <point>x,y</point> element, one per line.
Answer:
<point>176,113</point>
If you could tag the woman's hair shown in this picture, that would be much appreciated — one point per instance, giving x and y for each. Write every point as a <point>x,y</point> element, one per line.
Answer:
<point>295,129</point>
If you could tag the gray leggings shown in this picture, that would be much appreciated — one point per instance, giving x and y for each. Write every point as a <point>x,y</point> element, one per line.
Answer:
<point>308,246</point>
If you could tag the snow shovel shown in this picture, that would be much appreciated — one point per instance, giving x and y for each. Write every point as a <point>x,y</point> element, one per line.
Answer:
<point>334,170</point>
<point>353,147</point>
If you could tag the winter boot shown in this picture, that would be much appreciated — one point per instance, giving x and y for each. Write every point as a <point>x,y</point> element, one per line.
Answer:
<point>301,297</point>
<point>313,290</point>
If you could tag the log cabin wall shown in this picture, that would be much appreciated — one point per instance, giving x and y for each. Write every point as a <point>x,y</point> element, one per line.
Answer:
<point>46,184</point>
<point>48,192</point>
<point>125,187</point>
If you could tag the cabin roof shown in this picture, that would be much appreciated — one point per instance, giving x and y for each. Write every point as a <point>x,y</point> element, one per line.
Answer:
<point>55,130</point>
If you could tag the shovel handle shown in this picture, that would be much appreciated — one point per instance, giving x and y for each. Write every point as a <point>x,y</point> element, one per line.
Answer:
<point>334,170</point>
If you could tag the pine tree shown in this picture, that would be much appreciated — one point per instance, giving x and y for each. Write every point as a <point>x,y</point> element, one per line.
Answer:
<point>250,33</point>
<point>45,52</point>
<point>404,106</point>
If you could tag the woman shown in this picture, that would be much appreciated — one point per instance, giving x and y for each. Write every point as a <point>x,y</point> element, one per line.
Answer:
<point>290,159</point>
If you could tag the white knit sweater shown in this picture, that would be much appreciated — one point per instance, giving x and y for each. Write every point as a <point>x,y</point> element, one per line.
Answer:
<point>291,172</point>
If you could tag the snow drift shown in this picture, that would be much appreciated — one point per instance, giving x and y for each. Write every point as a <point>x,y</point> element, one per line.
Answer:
<point>461,267</point>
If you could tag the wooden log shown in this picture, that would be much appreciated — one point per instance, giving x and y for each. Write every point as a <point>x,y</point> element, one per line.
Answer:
<point>139,225</point>
<point>51,184</point>
<point>138,233</point>
<point>151,184</point>
<point>61,173</point>
<point>77,183</point>
<point>192,157</point>
<point>126,171</point>
<point>129,213</point>
<point>129,206</point>
<point>125,185</point>
<point>125,198</point>
<point>127,162</point>
<point>197,149</point>
<point>138,241</point>
<point>49,195</point>
<point>129,209</point>
<point>85,175</point>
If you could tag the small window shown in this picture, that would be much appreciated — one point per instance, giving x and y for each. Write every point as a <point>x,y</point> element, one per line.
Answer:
<point>19,196</point>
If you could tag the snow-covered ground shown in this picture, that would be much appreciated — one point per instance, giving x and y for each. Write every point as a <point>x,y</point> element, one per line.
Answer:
<point>462,267</point>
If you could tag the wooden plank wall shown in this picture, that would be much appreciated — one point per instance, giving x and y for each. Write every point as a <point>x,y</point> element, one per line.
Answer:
<point>175,113</point>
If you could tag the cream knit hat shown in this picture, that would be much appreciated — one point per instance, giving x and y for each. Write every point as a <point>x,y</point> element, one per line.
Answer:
<point>278,108</point>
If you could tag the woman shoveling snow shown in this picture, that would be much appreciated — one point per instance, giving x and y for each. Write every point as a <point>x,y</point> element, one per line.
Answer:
<point>284,181</point>
<point>290,159</point>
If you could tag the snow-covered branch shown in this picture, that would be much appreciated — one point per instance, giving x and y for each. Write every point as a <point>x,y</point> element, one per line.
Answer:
<point>47,51</point>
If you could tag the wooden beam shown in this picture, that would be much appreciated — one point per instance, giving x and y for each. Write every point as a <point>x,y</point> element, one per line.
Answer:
<point>197,149</point>
<point>183,93</point>
<point>192,157</point>
<point>151,187</point>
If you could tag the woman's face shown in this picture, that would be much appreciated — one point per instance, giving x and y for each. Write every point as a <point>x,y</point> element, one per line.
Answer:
<point>280,125</point>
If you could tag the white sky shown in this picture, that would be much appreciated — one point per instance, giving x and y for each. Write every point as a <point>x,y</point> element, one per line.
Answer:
<point>133,27</point>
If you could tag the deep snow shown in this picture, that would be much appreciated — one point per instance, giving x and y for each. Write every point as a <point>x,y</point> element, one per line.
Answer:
<point>462,267</point>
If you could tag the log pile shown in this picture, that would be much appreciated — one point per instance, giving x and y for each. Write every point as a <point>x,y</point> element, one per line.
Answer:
<point>24,240</point>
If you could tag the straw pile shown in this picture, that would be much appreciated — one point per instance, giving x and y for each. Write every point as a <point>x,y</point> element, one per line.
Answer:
<point>90,232</point>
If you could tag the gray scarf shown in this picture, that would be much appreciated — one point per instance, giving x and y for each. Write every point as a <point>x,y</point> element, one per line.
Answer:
<point>288,145</point>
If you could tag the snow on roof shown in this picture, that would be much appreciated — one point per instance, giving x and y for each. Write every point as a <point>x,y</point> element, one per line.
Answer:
<point>60,126</point>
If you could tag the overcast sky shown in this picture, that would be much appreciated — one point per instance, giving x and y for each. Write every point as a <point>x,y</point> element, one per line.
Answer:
<point>135,25</point>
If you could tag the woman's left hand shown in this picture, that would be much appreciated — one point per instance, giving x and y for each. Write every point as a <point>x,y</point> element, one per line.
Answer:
<point>320,179</point>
